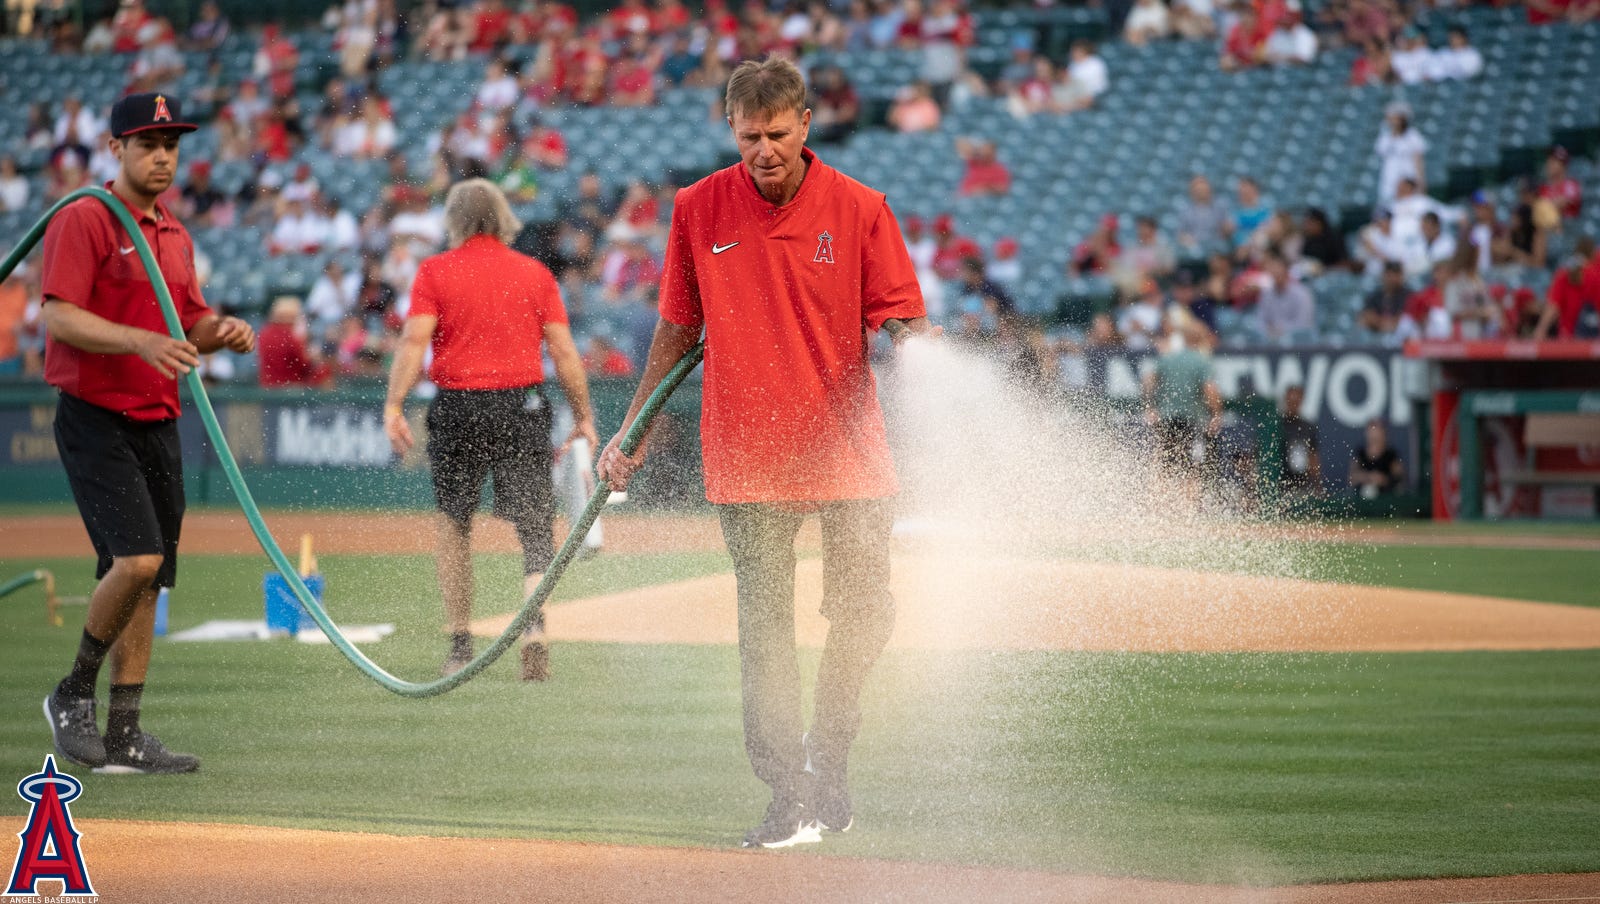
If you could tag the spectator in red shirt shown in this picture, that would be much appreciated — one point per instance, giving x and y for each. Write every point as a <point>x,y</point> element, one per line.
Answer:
<point>1099,252</point>
<point>491,24</point>
<point>546,147</point>
<point>670,16</point>
<point>604,359</point>
<point>1424,313</point>
<point>276,61</point>
<point>1559,188</point>
<point>985,175</point>
<point>587,72</point>
<point>286,358</point>
<point>1545,12</point>
<point>952,250</point>
<point>1520,311</point>
<point>629,270</point>
<point>1363,21</point>
<point>1572,307</point>
<point>631,17</point>
<point>1372,67</point>
<point>1242,49</point>
<point>129,20</point>
<point>633,79</point>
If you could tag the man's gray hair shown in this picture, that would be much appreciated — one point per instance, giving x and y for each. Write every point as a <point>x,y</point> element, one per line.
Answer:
<point>768,87</point>
<point>478,207</point>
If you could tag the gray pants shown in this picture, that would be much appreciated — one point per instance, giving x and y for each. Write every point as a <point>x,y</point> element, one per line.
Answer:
<point>860,614</point>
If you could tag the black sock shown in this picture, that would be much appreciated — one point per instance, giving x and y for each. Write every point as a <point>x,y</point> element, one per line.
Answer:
<point>461,643</point>
<point>80,682</point>
<point>122,718</point>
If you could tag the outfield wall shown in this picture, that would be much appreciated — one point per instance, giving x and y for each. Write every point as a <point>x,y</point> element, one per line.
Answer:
<point>327,449</point>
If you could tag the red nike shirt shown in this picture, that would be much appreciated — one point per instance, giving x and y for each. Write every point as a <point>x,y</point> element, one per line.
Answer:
<point>786,295</point>
<point>89,261</point>
<point>493,305</point>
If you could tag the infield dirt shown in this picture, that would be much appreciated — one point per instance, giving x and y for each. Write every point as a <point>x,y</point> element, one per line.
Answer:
<point>138,862</point>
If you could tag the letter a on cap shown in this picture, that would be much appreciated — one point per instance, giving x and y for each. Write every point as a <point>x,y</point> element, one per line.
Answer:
<point>161,110</point>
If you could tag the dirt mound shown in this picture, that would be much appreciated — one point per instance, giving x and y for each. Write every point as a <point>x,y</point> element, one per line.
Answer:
<point>1030,604</point>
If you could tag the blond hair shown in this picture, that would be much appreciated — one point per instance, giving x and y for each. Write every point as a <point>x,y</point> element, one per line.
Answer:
<point>478,207</point>
<point>769,87</point>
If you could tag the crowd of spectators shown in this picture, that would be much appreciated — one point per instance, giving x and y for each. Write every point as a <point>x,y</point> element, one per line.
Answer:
<point>1431,269</point>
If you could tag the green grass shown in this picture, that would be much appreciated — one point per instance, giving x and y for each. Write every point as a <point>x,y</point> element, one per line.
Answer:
<point>1261,768</point>
<point>1580,529</point>
<point>1540,575</point>
<point>1543,575</point>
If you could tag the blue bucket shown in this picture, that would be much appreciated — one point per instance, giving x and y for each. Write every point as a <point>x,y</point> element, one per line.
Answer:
<point>285,615</point>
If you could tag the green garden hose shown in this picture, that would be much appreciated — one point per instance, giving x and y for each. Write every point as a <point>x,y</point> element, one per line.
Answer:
<point>531,607</point>
<point>52,603</point>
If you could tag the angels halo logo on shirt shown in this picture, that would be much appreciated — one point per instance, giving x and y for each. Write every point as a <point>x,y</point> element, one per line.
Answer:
<point>49,848</point>
<point>824,253</point>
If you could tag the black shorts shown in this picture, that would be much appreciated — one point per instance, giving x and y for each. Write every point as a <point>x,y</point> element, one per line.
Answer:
<point>503,433</point>
<point>127,478</point>
<point>1176,441</point>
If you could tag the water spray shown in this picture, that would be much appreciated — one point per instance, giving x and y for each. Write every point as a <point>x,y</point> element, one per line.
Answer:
<point>532,606</point>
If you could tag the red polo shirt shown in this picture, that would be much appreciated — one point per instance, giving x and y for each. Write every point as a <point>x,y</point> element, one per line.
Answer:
<point>89,261</point>
<point>786,295</point>
<point>1569,295</point>
<point>985,176</point>
<point>493,304</point>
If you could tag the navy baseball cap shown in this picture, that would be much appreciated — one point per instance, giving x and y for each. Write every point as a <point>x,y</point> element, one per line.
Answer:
<point>143,112</point>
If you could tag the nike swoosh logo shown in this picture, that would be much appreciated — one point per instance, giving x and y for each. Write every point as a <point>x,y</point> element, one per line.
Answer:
<point>128,250</point>
<point>718,249</point>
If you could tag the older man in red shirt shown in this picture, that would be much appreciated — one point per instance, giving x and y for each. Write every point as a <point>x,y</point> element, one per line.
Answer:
<point>108,352</point>
<point>787,264</point>
<point>486,311</point>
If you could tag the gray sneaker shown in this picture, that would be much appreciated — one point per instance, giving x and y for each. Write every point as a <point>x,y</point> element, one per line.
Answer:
<point>143,754</point>
<point>787,823</point>
<point>73,728</point>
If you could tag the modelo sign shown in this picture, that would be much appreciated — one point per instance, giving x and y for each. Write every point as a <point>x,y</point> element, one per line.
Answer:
<point>328,437</point>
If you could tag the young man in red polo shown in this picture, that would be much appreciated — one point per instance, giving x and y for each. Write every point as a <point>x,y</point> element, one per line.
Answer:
<point>786,264</point>
<point>108,352</point>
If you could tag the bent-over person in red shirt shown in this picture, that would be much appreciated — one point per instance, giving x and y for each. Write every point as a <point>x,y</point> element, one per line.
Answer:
<point>108,352</point>
<point>485,310</point>
<point>787,264</point>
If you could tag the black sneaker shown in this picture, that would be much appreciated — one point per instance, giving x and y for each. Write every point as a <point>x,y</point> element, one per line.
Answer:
<point>787,823</point>
<point>830,792</point>
<point>142,754</point>
<point>73,728</point>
